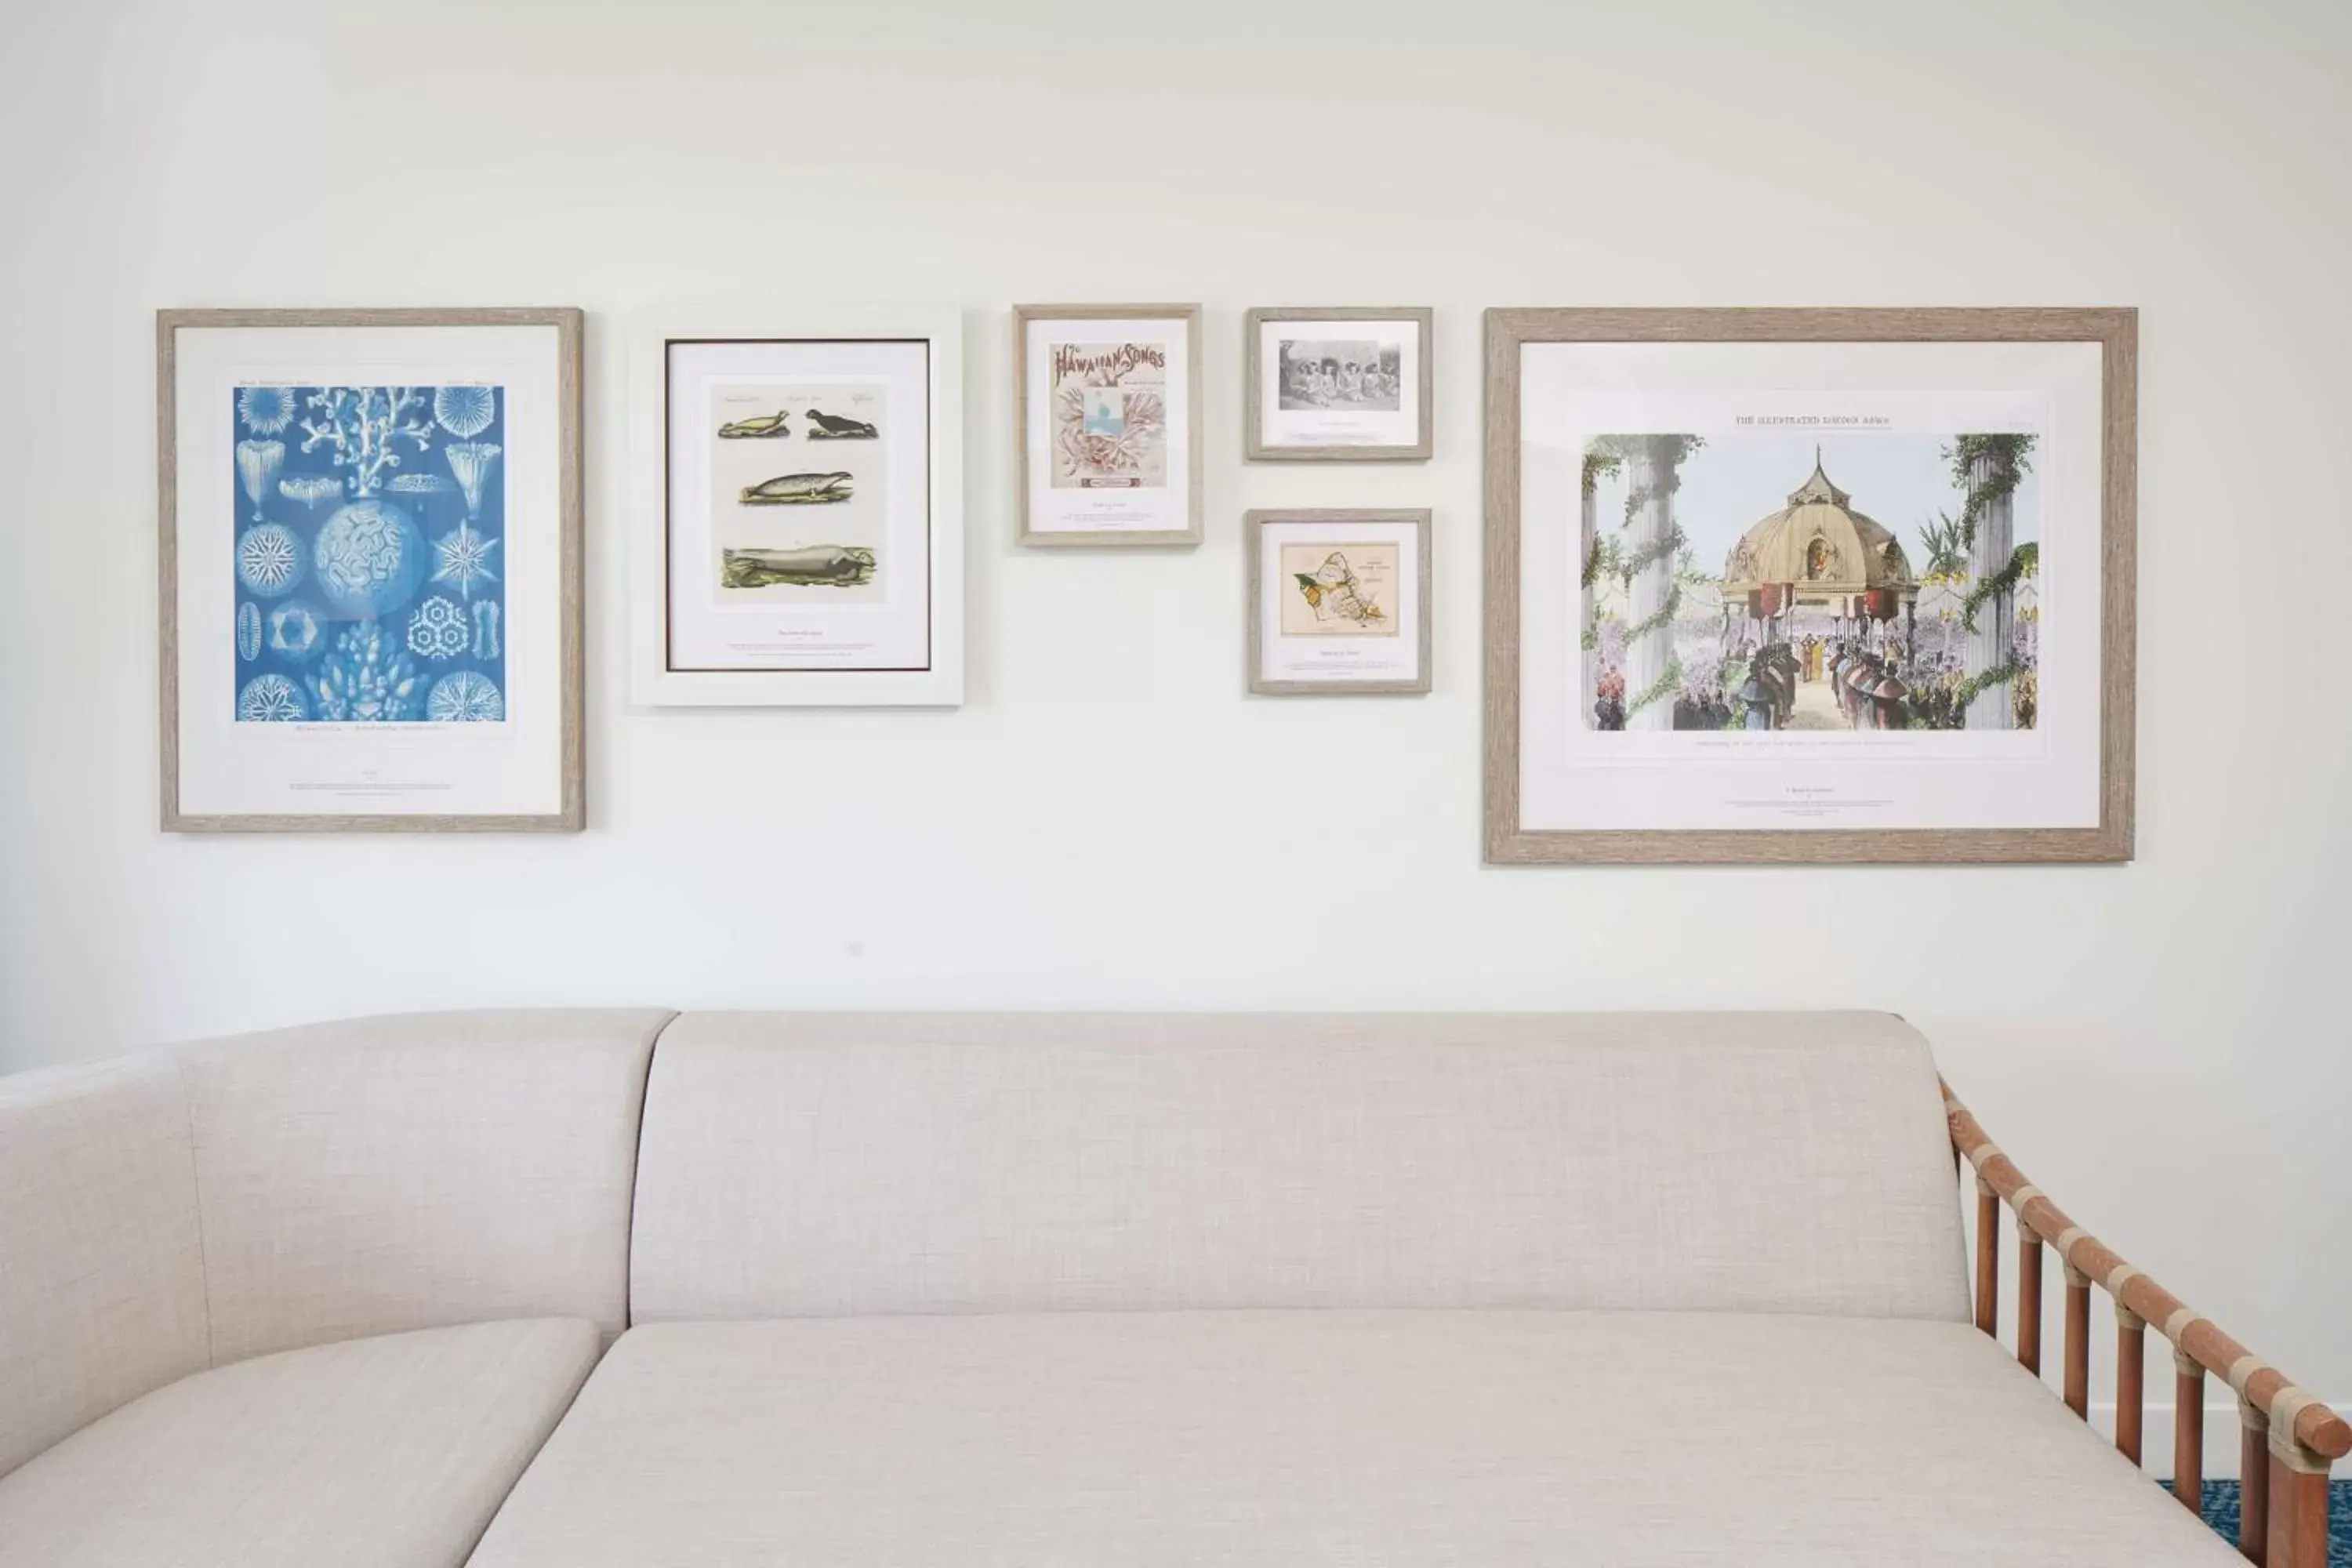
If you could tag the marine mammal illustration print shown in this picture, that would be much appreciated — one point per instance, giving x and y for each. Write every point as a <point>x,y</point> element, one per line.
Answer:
<point>830,427</point>
<point>813,566</point>
<point>760,426</point>
<point>798,490</point>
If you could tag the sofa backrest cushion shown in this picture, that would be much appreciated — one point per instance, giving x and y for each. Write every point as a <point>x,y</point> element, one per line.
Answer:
<point>816,1164</point>
<point>406,1173</point>
<point>101,1265</point>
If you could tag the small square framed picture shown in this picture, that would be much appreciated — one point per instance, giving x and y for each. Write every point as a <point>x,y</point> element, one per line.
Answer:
<point>1107,405</point>
<point>1349,383</point>
<point>1338,602</point>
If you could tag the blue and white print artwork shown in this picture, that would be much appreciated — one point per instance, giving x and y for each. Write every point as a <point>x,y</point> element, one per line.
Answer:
<point>369,560</point>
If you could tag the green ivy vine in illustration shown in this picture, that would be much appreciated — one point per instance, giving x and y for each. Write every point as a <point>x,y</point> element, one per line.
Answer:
<point>2023,561</point>
<point>2006,460</point>
<point>1976,686</point>
<point>1643,556</point>
<point>1669,681</point>
<point>1599,460</point>
<point>1663,615</point>
<point>1607,454</point>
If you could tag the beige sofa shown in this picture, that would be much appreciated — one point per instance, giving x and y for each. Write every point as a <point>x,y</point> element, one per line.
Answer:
<point>620,1291</point>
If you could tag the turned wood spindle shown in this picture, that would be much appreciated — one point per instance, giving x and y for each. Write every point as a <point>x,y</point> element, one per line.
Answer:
<point>2078,1340</point>
<point>2131,1369</point>
<point>2028,1298</point>
<point>2189,1432</point>
<point>2298,1503</point>
<point>2253,1481</point>
<point>1988,1259</point>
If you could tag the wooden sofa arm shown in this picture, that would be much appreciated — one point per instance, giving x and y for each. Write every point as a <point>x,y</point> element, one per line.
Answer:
<point>2283,1504</point>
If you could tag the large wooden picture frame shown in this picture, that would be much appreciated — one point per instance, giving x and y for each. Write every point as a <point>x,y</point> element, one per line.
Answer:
<point>1814,612</point>
<point>370,564</point>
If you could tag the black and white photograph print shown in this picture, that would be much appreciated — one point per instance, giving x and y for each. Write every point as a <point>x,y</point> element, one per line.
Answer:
<point>1349,383</point>
<point>1340,373</point>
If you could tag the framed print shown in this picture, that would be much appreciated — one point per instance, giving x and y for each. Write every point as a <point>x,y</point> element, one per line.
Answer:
<point>371,569</point>
<point>1348,385</point>
<point>1106,399</point>
<point>799,534</point>
<point>1809,586</point>
<point>1338,602</point>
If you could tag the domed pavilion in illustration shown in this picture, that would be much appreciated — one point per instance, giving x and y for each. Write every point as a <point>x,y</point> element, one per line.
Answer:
<point>1819,552</point>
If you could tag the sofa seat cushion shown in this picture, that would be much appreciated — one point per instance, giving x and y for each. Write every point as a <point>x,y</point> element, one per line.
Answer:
<point>1398,1438</point>
<point>378,1453</point>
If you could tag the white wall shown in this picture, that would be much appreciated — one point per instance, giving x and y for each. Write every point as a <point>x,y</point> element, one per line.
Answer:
<point>1109,821</point>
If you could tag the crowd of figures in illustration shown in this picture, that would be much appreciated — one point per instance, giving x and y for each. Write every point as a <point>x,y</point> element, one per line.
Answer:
<point>1873,680</point>
<point>369,578</point>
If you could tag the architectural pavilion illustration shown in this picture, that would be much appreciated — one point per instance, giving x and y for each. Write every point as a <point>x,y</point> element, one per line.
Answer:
<point>1818,552</point>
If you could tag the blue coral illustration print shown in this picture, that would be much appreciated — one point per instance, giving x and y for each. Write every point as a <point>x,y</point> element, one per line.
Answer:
<point>370,555</point>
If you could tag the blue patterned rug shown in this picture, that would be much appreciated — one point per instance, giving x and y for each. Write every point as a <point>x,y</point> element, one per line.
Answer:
<point>2221,1512</point>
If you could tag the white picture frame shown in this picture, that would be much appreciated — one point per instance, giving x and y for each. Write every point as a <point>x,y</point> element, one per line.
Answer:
<point>820,622</point>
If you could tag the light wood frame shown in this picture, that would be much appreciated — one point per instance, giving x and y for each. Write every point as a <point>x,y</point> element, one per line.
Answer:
<point>2290,1438</point>
<point>1253,445</point>
<point>655,684</point>
<point>1189,315</point>
<point>572,816</point>
<point>1254,614</point>
<point>2116,330</point>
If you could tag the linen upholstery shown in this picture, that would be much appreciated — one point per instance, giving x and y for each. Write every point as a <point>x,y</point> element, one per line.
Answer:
<point>377,1453</point>
<point>101,1268</point>
<point>836,1164</point>
<point>401,1172</point>
<point>1407,1439</point>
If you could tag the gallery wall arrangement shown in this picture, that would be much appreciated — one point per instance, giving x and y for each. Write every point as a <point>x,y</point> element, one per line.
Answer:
<point>1235,507</point>
<point>1760,585</point>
